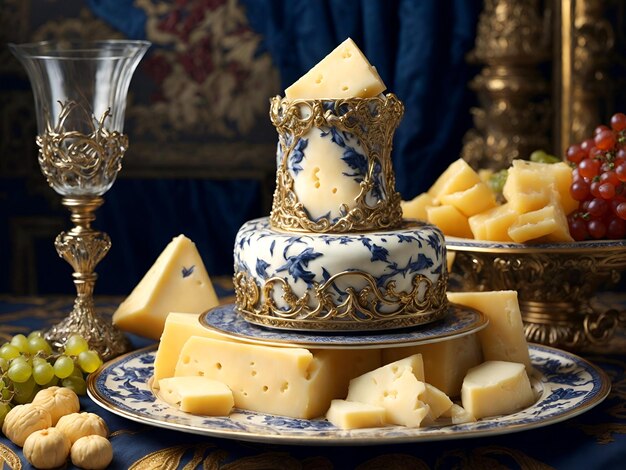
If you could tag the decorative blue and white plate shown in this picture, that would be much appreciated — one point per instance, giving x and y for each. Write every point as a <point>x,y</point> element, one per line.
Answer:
<point>566,386</point>
<point>459,321</point>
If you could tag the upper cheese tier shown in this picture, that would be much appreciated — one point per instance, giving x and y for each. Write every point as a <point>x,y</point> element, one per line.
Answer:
<point>334,171</point>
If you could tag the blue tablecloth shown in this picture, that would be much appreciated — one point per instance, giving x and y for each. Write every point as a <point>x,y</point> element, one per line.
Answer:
<point>593,440</point>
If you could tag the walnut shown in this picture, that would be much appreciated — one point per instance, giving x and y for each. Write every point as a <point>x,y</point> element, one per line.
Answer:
<point>92,452</point>
<point>77,425</point>
<point>23,420</point>
<point>59,401</point>
<point>47,448</point>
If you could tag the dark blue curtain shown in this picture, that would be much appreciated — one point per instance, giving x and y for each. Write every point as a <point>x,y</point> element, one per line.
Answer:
<point>419,48</point>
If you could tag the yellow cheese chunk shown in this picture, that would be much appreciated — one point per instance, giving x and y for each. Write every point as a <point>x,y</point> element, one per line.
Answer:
<point>458,415</point>
<point>526,188</point>
<point>471,201</point>
<point>344,73</point>
<point>179,327</point>
<point>496,388</point>
<point>437,401</point>
<point>416,207</point>
<point>503,338</point>
<point>445,362</point>
<point>548,224</point>
<point>176,282</point>
<point>352,415</point>
<point>459,176</point>
<point>493,224</point>
<point>450,220</point>
<point>397,387</point>
<point>284,381</point>
<point>197,395</point>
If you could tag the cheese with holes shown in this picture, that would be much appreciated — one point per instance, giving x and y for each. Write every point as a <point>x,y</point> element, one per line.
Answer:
<point>398,387</point>
<point>344,73</point>
<point>197,395</point>
<point>352,415</point>
<point>445,362</point>
<point>503,338</point>
<point>176,282</point>
<point>496,388</point>
<point>284,381</point>
<point>179,327</point>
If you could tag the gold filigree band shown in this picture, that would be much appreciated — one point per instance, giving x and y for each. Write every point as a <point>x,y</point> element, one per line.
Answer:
<point>365,309</point>
<point>373,122</point>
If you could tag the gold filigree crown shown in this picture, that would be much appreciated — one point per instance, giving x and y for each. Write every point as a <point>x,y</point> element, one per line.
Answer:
<point>372,121</point>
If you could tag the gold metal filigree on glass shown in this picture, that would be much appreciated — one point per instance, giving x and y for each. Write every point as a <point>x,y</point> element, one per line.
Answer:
<point>373,121</point>
<point>80,92</point>
<point>363,309</point>
<point>556,285</point>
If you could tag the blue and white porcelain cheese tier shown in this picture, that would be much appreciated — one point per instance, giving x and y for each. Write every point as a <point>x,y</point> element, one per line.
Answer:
<point>375,280</point>
<point>334,171</point>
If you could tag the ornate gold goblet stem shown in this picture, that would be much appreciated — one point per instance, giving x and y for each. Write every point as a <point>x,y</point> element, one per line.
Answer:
<point>83,248</point>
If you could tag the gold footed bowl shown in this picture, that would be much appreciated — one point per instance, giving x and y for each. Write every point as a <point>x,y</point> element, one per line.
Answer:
<point>556,285</point>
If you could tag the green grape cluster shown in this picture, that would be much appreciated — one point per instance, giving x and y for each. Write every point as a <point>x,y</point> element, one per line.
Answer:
<point>29,364</point>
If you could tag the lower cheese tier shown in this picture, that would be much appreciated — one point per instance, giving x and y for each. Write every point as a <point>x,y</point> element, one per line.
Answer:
<point>341,282</point>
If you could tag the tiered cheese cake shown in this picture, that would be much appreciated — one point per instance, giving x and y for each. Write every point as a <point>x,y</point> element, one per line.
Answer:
<point>335,254</point>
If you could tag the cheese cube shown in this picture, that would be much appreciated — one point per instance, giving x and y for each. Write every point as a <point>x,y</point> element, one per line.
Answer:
<point>496,388</point>
<point>176,282</point>
<point>459,176</point>
<point>352,415</point>
<point>179,327</point>
<point>416,207</point>
<point>284,381</point>
<point>445,362</point>
<point>503,338</point>
<point>471,201</point>
<point>197,395</point>
<point>397,387</point>
<point>458,415</point>
<point>548,224</point>
<point>450,220</point>
<point>344,73</point>
<point>493,224</point>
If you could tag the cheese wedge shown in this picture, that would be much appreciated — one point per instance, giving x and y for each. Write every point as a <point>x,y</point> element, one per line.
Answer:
<point>450,220</point>
<point>503,338</point>
<point>197,395</point>
<point>458,415</point>
<point>416,207</point>
<point>496,388</point>
<point>284,381</point>
<point>445,362</point>
<point>176,282</point>
<point>344,73</point>
<point>352,415</point>
<point>471,201</point>
<point>459,176</point>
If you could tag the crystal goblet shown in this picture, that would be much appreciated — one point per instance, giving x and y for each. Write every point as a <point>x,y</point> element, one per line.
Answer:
<point>80,90</point>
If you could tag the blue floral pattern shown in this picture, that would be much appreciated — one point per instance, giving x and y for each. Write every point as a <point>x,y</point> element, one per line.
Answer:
<point>122,387</point>
<point>306,260</point>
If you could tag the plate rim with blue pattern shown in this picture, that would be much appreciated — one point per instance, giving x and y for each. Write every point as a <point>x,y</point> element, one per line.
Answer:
<point>567,385</point>
<point>459,321</point>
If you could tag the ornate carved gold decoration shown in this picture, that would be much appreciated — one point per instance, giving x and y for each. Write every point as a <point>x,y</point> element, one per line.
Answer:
<point>513,120</point>
<point>83,247</point>
<point>555,289</point>
<point>373,121</point>
<point>71,160</point>
<point>587,39</point>
<point>368,308</point>
<point>10,458</point>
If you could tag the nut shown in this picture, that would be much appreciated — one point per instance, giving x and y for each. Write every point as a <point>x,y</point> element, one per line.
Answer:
<point>77,425</point>
<point>47,448</point>
<point>23,420</point>
<point>92,452</point>
<point>59,401</point>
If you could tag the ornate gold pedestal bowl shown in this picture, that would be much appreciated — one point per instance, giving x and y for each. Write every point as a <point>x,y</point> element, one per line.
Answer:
<point>556,285</point>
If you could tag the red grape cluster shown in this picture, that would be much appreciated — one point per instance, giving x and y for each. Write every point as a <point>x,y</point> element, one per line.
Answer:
<point>599,183</point>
